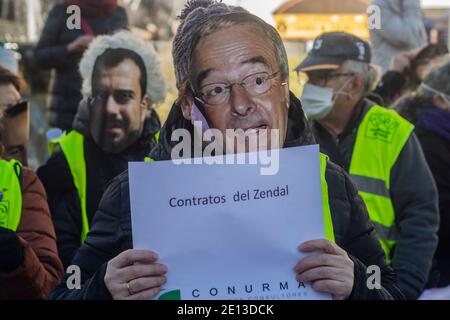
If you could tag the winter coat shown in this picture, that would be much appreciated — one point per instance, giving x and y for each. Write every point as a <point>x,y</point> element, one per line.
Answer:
<point>436,148</point>
<point>111,230</point>
<point>40,269</point>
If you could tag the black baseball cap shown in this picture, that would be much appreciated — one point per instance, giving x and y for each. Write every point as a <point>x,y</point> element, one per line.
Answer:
<point>331,49</point>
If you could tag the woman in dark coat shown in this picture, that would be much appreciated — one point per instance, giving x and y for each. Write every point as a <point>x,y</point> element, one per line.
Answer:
<point>429,110</point>
<point>61,48</point>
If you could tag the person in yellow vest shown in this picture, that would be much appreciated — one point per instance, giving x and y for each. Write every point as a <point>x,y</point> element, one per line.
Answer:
<point>116,123</point>
<point>29,264</point>
<point>379,150</point>
<point>16,114</point>
<point>234,66</point>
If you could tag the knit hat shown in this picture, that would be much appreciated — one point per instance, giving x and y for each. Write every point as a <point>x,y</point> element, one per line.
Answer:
<point>193,16</point>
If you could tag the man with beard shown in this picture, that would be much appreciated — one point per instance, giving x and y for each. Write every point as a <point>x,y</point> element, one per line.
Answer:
<point>115,124</point>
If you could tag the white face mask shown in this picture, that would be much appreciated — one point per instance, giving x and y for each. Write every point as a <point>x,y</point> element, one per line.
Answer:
<point>317,102</point>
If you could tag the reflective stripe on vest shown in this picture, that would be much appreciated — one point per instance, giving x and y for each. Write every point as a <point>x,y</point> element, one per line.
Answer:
<point>72,145</point>
<point>11,194</point>
<point>381,137</point>
<point>328,221</point>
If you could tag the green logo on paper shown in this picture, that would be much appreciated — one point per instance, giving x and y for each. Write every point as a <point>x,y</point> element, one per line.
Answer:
<point>171,295</point>
<point>382,127</point>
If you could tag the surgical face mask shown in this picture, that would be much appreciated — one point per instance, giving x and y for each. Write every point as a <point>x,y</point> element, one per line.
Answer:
<point>317,102</point>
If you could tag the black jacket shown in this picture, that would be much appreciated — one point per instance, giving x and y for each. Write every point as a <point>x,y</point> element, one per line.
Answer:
<point>50,53</point>
<point>414,197</point>
<point>437,152</point>
<point>111,230</point>
<point>101,167</point>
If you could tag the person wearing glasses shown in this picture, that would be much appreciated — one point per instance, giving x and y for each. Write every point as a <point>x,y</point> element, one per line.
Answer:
<point>116,123</point>
<point>379,150</point>
<point>29,264</point>
<point>231,67</point>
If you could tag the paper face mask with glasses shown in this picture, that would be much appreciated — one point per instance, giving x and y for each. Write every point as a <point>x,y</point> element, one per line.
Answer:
<point>16,132</point>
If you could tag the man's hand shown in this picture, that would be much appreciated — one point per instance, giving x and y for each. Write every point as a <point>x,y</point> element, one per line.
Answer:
<point>80,44</point>
<point>330,270</point>
<point>135,275</point>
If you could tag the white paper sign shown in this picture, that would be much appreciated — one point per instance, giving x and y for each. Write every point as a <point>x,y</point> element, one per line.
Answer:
<point>226,231</point>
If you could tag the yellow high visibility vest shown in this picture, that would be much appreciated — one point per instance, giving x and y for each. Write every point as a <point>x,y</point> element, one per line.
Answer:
<point>381,137</point>
<point>328,221</point>
<point>72,145</point>
<point>11,194</point>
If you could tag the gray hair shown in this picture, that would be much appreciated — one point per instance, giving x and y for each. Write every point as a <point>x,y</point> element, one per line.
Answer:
<point>203,17</point>
<point>369,72</point>
<point>234,19</point>
<point>156,86</point>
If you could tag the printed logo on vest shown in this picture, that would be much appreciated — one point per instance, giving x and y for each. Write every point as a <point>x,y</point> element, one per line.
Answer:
<point>381,127</point>
<point>4,209</point>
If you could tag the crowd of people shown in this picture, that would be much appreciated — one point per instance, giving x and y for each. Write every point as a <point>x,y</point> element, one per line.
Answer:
<point>384,137</point>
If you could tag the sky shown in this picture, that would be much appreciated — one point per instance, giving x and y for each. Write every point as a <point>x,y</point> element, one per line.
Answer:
<point>264,8</point>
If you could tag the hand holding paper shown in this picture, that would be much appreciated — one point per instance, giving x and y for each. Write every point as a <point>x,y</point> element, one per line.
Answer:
<point>329,271</point>
<point>234,233</point>
<point>135,275</point>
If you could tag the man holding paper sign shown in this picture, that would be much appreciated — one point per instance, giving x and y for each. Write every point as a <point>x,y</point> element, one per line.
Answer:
<point>232,73</point>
